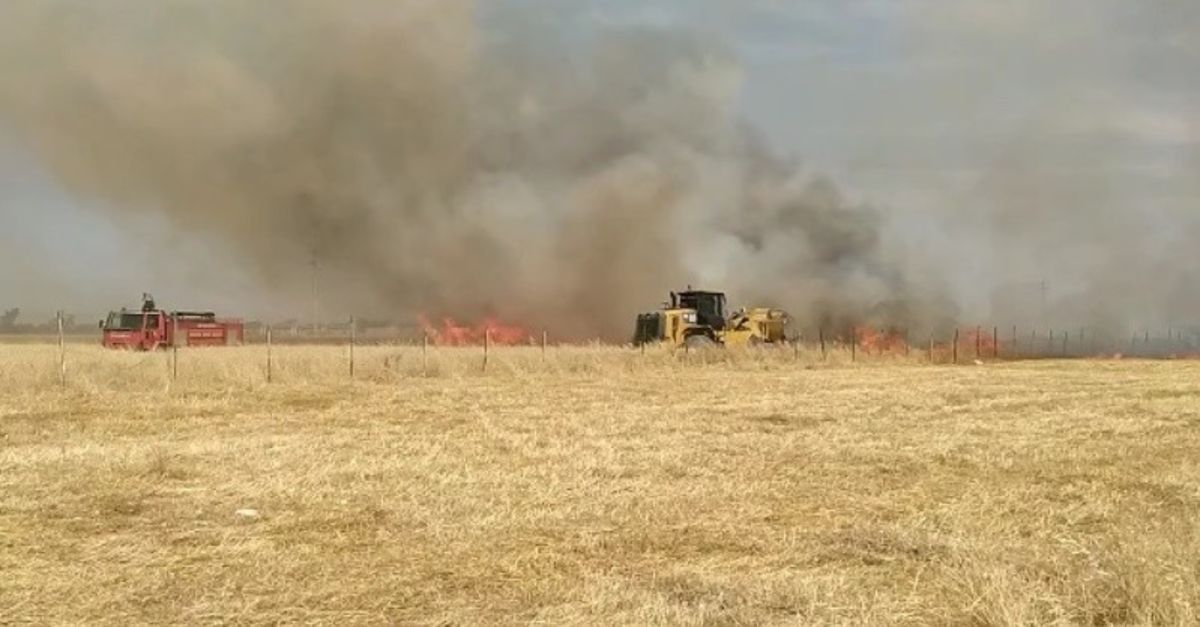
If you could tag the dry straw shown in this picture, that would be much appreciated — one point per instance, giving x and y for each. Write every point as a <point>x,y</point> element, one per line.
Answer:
<point>599,485</point>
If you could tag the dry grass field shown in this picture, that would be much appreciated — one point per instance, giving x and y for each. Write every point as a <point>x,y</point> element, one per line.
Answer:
<point>596,486</point>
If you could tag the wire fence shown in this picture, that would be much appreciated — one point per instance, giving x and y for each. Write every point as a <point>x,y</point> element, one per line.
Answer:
<point>380,357</point>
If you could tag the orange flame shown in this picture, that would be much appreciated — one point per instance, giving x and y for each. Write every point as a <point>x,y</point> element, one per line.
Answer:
<point>880,342</point>
<point>451,333</point>
<point>978,339</point>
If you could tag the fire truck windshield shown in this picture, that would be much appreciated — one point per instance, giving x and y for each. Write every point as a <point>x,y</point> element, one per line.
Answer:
<point>120,321</point>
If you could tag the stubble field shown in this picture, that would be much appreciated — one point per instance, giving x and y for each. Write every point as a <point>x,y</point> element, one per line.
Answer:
<point>595,485</point>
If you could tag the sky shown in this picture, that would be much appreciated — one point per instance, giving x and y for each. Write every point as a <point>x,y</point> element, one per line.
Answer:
<point>958,121</point>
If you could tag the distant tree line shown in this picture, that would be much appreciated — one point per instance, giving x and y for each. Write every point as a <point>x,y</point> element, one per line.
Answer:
<point>11,323</point>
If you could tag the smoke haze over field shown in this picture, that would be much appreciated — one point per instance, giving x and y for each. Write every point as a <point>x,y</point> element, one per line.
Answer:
<point>1085,177</point>
<point>456,159</point>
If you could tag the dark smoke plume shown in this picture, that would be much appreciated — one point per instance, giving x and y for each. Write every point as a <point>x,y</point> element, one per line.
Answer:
<point>428,168</point>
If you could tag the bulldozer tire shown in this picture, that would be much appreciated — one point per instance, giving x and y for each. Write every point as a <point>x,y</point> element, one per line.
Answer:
<point>699,342</point>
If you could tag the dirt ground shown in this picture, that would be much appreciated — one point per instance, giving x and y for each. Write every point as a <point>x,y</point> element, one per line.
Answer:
<point>595,486</point>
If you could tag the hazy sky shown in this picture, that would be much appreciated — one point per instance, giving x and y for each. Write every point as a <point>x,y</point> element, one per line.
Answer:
<point>928,110</point>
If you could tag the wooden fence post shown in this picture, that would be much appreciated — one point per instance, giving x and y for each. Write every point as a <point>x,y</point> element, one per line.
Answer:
<point>995,342</point>
<point>353,338</point>
<point>487,341</point>
<point>978,342</point>
<point>956,336</point>
<point>821,334</point>
<point>62,350</point>
<point>269,366</point>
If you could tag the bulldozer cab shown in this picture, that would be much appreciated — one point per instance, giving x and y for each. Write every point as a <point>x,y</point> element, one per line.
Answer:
<point>709,307</point>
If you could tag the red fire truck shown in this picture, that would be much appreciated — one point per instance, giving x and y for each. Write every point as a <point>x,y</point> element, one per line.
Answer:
<point>152,328</point>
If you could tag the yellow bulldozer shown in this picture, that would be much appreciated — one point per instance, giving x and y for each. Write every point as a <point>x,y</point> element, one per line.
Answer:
<point>698,319</point>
